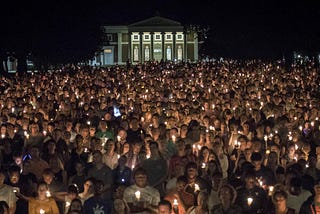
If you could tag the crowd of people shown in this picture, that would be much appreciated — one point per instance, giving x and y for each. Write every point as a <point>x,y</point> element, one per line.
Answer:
<point>217,136</point>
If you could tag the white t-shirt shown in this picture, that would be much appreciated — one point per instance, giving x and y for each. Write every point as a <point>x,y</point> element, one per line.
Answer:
<point>7,195</point>
<point>295,201</point>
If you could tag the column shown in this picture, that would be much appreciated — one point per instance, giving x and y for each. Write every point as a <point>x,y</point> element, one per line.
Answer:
<point>130,48</point>
<point>163,49</point>
<point>195,50</point>
<point>141,47</point>
<point>173,46</point>
<point>185,47</point>
<point>119,48</point>
<point>151,46</point>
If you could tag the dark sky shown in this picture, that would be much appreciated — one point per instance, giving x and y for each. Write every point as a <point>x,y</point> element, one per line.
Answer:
<point>253,28</point>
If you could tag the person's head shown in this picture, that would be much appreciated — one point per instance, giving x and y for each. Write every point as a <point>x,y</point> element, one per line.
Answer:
<point>164,207</point>
<point>73,191</point>
<point>295,186</point>
<point>140,177</point>
<point>79,166</point>
<point>88,185</point>
<point>256,159</point>
<point>279,198</point>
<point>75,205</point>
<point>250,180</point>
<point>14,174</point>
<point>42,189</point>
<point>47,175</point>
<point>181,183</point>
<point>191,171</point>
<point>227,194</point>
<point>98,187</point>
<point>34,152</point>
<point>97,157</point>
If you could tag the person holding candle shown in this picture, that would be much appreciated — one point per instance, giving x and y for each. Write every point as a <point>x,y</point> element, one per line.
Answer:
<point>251,197</point>
<point>42,203</point>
<point>141,197</point>
<point>183,199</point>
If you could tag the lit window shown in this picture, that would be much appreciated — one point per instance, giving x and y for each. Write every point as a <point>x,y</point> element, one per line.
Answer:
<point>135,37</point>
<point>146,37</point>
<point>168,37</point>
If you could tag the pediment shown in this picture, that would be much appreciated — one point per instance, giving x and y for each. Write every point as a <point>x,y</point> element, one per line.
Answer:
<point>156,21</point>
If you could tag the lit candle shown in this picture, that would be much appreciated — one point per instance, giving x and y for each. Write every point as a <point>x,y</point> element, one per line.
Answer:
<point>267,151</point>
<point>118,156</point>
<point>88,122</point>
<point>249,200</point>
<point>132,166</point>
<point>148,156</point>
<point>312,123</point>
<point>300,128</point>
<point>2,136</point>
<point>175,202</point>
<point>42,211</point>
<point>138,195</point>
<point>174,138</point>
<point>271,188</point>
<point>196,187</point>
<point>48,194</point>
<point>118,138</point>
<point>44,133</point>
<point>203,166</point>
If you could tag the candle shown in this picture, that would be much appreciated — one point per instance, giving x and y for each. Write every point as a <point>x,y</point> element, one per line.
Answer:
<point>42,211</point>
<point>271,188</point>
<point>138,195</point>
<point>267,151</point>
<point>118,138</point>
<point>48,194</point>
<point>88,122</point>
<point>300,128</point>
<point>249,200</point>
<point>86,150</point>
<point>203,165</point>
<point>174,138</point>
<point>175,202</point>
<point>118,156</point>
<point>132,167</point>
<point>44,133</point>
<point>196,188</point>
<point>2,136</point>
<point>175,206</point>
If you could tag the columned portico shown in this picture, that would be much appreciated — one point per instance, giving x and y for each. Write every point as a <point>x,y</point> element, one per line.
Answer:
<point>156,38</point>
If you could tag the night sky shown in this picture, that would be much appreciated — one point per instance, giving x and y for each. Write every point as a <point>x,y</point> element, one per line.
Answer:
<point>256,28</point>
